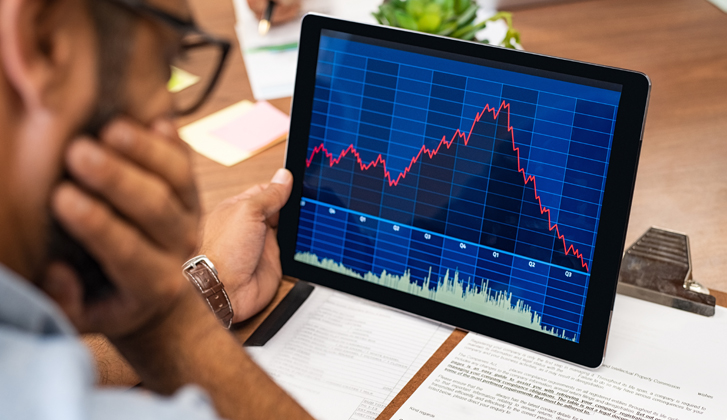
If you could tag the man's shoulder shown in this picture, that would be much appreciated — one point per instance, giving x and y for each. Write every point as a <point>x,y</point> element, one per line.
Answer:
<point>42,376</point>
<point>189,403</point>
<point>47,372</point>
<point>25,307</point>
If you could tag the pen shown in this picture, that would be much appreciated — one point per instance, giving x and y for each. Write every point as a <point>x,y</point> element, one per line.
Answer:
<point>264,25</point>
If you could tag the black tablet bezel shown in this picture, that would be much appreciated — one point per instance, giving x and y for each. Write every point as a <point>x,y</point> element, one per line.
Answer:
<point>589,351</point>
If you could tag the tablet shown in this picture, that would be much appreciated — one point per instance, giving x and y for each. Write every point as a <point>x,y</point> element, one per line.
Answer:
<point>478,186</point>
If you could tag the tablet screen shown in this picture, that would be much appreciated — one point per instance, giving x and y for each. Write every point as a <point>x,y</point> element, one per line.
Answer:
<point>472,183</point>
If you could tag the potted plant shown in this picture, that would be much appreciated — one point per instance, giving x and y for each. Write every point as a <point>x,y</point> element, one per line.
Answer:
<point>454,18</point>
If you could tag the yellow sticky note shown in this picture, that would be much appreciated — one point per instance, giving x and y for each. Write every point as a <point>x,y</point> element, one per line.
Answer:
<point>237,132</point>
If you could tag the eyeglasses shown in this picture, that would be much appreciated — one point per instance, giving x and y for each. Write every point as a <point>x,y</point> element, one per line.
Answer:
<point>199,61</point>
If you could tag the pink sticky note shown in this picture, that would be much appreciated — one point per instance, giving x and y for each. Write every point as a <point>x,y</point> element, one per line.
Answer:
<point>256,128</point>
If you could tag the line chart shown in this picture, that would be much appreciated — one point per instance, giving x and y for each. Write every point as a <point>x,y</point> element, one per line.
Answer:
<point>448,143</point>
<point>474,186</point>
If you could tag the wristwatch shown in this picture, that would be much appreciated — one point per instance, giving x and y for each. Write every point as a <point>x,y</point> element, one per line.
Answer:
<point>202,273</point>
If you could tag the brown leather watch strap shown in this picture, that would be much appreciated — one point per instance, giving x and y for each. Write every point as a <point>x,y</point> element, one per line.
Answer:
<point>202,273</point>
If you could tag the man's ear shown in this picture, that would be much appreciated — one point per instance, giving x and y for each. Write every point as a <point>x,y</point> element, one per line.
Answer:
<point>36,48</point>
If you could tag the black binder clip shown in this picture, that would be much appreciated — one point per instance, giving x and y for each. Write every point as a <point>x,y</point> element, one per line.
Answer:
<point>658,268</point>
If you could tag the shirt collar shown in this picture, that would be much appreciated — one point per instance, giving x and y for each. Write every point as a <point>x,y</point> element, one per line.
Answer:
<point>26,308</point>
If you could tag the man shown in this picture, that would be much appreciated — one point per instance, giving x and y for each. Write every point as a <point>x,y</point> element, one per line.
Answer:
<point>73,67</point>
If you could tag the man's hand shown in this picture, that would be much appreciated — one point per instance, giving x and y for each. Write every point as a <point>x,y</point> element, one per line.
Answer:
<point>284,10</point>
<point>239,238</point>
<point>140,221</point>
<point>134,207</point>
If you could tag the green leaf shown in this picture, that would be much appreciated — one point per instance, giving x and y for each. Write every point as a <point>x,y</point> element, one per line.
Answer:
<point>429,22</point>
<point>379,17</point>
<point>405,21</point>
<point>461,5</point>
<point>512,39</point>
<point>468,15</point>
<point>468,32</point>
<point>415,7</point>
<point>448,16</point>
<point>481,25</point>
<point>468,22</point>
<point>512,36</point>
<point>507,16</point>
<point>469,36</point>
<point>388,11</point>
<point>433,8</point>
<point>447,6</point>
<point>447,28</point>
<point>461,31</point>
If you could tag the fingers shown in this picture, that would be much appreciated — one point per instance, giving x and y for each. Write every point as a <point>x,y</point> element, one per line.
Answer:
<point>159,151</point>
<point>133,206</point>
<point>286,2</point>
<point>120,249</point>
<point>144,198</point>
<point>284,10</point>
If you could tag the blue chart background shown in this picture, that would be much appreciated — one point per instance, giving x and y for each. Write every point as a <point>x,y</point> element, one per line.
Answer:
<point>467,209</point>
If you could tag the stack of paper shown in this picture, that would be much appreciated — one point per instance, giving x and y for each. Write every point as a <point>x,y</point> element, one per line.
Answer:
<point>343,357</point>
<point>662,363</point>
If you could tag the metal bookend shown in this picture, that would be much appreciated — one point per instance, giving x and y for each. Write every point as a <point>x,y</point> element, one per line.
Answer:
<point>658,268</point>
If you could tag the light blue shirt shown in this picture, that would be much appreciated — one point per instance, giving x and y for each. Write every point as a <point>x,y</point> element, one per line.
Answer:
<point>47,373</point>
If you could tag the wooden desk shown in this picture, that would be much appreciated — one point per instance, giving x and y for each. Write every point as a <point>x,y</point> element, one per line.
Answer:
<point>680,44</point>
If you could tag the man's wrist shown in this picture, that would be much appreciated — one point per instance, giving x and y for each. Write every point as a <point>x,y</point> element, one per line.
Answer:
<point>160,348</point>
<point>201,273</point>
<point>165,322</point>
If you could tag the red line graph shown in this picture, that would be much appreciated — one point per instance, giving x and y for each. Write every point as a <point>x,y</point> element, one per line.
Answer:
<point>321,148</point>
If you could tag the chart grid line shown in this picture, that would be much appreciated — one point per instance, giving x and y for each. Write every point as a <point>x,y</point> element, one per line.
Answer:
<point>416,180</point>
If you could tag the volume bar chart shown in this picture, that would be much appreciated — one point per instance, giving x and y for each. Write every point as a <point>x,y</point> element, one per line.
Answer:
<point>476,187</point>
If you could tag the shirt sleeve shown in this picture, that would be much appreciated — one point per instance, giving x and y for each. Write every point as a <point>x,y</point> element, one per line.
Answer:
<point>46,373</point>
<point>51,377</point>
<point>189,403</point>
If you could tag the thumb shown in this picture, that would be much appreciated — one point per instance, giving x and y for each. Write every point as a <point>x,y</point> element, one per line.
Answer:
<point>271,199</point>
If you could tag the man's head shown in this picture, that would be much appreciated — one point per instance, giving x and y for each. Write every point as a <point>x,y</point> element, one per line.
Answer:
<point>66,68</point>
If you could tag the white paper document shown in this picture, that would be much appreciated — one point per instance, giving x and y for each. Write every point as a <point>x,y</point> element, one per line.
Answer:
<point>346,358</point>
<point>662,363</point>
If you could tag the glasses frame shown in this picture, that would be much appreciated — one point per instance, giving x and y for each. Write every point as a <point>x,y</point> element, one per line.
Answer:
<point>183,27</point>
